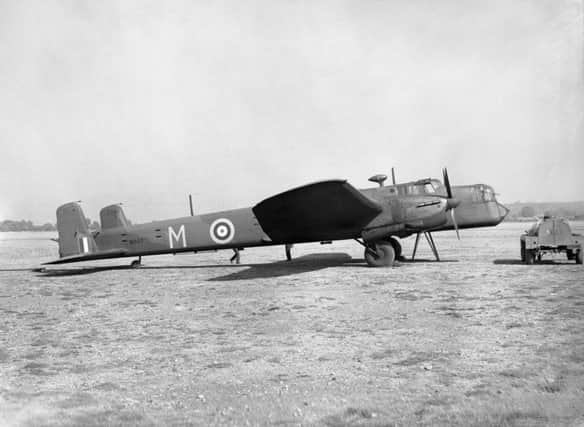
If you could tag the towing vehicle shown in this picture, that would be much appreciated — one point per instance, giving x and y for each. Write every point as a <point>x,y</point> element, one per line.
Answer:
<point>548,236</point>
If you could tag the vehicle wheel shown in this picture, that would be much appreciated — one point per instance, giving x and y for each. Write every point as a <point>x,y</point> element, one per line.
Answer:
<point>523,251</point>
<point>380,255</point>
<point>579,256</point>
<point>529,256</point>
<point>397,248</point>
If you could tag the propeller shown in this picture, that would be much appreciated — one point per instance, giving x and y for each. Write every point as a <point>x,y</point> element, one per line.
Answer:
<point>452,202</point>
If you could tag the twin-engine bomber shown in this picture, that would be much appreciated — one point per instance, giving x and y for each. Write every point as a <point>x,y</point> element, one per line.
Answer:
<point>319,212</point>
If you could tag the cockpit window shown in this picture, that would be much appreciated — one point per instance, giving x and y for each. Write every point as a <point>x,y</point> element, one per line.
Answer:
<point>438,187</point>
<point>429,189</point>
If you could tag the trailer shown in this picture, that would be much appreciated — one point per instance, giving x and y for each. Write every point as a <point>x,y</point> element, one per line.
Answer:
<point>551,235</point>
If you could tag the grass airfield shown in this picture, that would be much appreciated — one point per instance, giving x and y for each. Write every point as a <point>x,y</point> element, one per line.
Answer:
<point>477,339</point>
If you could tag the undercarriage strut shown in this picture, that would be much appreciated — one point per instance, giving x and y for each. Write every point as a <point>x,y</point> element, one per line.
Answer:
<point>431,243</point>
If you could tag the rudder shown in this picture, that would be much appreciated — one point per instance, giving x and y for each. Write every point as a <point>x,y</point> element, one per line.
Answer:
<point>74,235</point>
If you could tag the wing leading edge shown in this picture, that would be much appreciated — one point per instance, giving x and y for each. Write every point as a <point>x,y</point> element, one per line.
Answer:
<point>327,210</point>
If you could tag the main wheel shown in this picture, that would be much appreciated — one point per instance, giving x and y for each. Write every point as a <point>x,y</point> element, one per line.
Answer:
<point>380,255</point>
<point>522,251</point>
<point>529,256</point>
<point>571,255</point>
<point>397,247</point>
<point>579,256</point>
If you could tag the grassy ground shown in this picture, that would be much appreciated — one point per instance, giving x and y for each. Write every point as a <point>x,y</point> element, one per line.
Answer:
<point>479,339</point>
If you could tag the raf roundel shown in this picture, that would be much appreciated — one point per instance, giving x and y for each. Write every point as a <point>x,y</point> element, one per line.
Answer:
<point>222,231</point>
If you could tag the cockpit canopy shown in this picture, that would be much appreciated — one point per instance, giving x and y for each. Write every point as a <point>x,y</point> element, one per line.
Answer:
<point>421,187</point>
<point>477,193</point>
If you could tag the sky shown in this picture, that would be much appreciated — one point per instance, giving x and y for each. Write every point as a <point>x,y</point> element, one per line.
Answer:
<point>143,102</point>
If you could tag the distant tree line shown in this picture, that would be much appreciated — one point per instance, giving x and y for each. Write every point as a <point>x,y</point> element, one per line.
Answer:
<point>23,225</point>
<point>528,211</point>
<point>10,225</point>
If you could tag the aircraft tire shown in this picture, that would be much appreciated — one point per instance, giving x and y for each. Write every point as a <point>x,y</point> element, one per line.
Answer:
<point>396,247</point>
<point>381,255</point>
<point>579,256</point>
<point>529,256</point>
<point>522,251</point>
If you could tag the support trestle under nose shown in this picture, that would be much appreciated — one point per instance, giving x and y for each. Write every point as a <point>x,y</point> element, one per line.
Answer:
<point>431,243</point>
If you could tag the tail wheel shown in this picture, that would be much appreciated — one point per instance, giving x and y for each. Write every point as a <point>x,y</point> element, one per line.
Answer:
<point>380,255</point>
<point>529,256</point>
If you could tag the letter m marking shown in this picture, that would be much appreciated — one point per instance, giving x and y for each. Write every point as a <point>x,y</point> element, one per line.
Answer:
<point>175,237</point>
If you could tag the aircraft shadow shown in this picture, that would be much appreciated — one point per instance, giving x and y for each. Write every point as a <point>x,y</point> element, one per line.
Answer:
<point>303,264</point>
<point>77,271</point>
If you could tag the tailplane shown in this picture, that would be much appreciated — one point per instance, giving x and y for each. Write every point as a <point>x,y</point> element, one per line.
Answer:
<point>74,235</point>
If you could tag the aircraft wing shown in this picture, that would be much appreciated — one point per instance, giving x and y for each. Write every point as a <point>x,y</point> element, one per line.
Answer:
<point>326,210</point>
<point>111,253</point>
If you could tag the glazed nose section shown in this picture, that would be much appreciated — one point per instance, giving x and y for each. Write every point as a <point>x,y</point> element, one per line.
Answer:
<point>503,211</point>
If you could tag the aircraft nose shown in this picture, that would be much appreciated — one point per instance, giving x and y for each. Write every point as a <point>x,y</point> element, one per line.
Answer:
<point>503,211</point>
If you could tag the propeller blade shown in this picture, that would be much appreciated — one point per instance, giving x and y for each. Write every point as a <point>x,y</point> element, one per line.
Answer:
<point>454,223</point>
<point>447,183</point>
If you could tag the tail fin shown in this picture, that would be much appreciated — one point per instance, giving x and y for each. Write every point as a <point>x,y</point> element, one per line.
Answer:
<point>74,235</point>
<point>113,216</point>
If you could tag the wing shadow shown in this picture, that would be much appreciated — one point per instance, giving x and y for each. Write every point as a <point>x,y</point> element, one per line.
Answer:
<point>303,264</point>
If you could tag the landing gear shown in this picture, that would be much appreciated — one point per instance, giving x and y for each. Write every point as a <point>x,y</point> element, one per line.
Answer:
<point>288,252</point>
<point>529,256</point>
<point>137,263</point>
<point>431,243</point>
<point>397,248</point>
<point>579,256</point>
<point>236,257</point>
<point>571,255</point>
<point>381,254</point>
